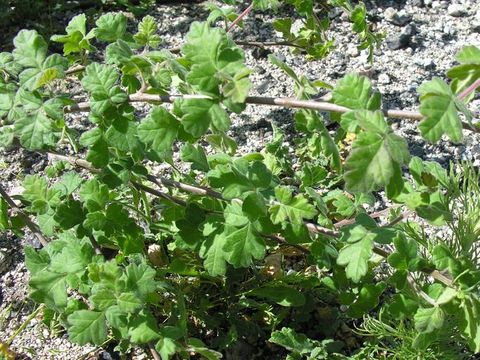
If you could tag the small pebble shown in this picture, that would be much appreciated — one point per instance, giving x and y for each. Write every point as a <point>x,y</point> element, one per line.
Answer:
<point>384,79</point>
<point>457,10</point>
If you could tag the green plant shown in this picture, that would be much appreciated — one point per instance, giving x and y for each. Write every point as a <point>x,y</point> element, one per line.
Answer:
<point>194,262</point>
<point>311,36</point>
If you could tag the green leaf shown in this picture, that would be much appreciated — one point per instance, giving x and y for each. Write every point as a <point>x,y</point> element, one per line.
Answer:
<point>312,174</point>
<point>196,155</point>
<point>356,253</point>
<point>76,39</point>
<point>282,295</point>
<point>36,191</point>
<point>73,258</point>
<point>166,347</point>
<point>292,341</point>
<point>228,177</point>
<point>30,49</point>
<point>69,214</point>
<point>437,105</point>
<point>214,256</point>
<point>128,302</point>
<point>87,327</point>
<point>102,298</point>
<point>143,328</point>
<point>111,27</point>
<point>215,61</point>
<point>203,43</point>
<point>159,130</point>
<point>52,68</point>
<point>265,4</point>
<point>352,91</point>
<point>99,81</point>
<point>118,53</point>
<point>49,288</point>
<point>310,122</point>
<point>141,278</point>
<point>373,161</point>
<point>90,137</point>
<point>238,87</point>
<point>402,307</point>
<point>200,114</point>
<point>469,322</point>
<point>428,320</point>
<point>234,215</point>
<point>254,206</point>
<point>47,222</point>
<point>36,261</point>
<point>243,245</point>
<point>405,256</point>
<point>94,194</point>
<point>295,209</point>
<point>197,346</point>
<point>35,124</point>
<point>95,220</point>
<point>467,72</point>
<point>68,183</point>
<point>146,34</point>
<point>4,224</point>
<point>367,299</point>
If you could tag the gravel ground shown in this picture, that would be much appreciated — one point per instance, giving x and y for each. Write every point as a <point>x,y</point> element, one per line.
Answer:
<point>423,37</point>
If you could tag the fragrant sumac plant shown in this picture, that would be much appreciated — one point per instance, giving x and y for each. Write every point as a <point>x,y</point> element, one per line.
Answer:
<point>154,231</point>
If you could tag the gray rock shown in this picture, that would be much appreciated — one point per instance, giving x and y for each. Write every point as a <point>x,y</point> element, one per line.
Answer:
<point>402,40</point>
<point>476,27</point>
<point>409,30</point>
<point>397,41</point>
<point>457,10</point>
<point>429,64</point>
<point>400,18</point>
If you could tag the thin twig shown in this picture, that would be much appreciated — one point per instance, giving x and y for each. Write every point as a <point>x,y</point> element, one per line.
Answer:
<point>263,44</point>
<point>159,193</point>
<point>29,223</point>
<point>282,241</point>
<point>399,218</point>
<point>96,247</point>
<point>240,17</point>
<point>373,215</point>
<point>419,291</point>
<point>198,190</point>
<point>469,89</point>
<point>154,352</point>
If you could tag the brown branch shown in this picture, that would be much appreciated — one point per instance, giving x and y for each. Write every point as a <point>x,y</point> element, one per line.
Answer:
<point>29,223</point>
<point>74,69</point>
<point>269,101</point>
<point>282,241</point>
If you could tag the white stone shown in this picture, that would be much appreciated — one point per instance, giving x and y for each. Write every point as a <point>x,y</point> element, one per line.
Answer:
<point>384,79</point>
<point>457,10</point>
